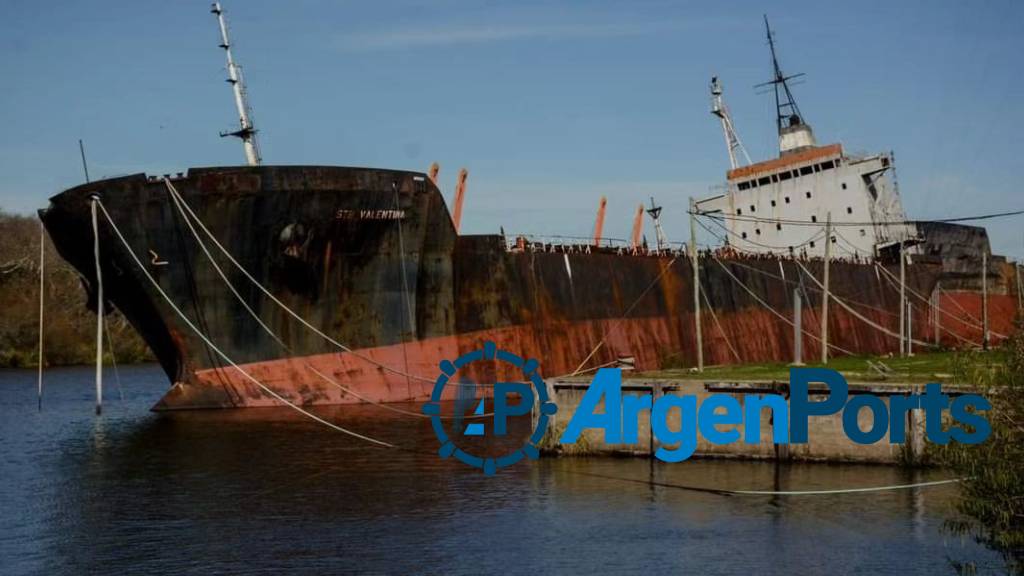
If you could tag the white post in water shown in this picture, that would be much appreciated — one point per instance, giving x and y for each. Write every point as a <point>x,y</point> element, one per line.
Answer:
<point>246,131</point>
<point>910,330</point>
<point>824,300</point>
<point>1020,294</point>
<point>903,300</point>
<point>798,333</point>
<point>42,296</point>
<point>696,284</point>
<point>984,298</point>
<point>99,310</point>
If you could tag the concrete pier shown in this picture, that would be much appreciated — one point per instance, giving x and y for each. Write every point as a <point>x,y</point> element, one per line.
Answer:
<point>826,440</point>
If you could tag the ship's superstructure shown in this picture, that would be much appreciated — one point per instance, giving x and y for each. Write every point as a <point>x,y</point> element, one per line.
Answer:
<point>781,205</point>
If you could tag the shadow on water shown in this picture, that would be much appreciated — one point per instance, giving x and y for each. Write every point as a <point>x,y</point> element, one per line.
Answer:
<point>266,490</point>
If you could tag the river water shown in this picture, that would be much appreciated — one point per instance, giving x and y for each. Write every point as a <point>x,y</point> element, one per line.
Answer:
<point>268,491</point>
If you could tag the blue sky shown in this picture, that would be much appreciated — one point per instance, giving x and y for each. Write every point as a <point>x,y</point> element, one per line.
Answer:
<point>548,104</point>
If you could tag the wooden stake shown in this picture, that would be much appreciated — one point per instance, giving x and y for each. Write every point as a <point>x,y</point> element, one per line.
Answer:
<point>798,333</point>
<point>696,284</point>
<point>824,302</point>
<point>903,300</point>
<point>984,298</point>
<point>910,330</point>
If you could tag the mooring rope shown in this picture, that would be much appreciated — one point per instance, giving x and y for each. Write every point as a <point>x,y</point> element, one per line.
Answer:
<point>182,204</point>
<point>774,311</point>
<point>113,361</point>
<point>893,283</point>
<point>199,333</point>
<point>277,338</point>
<point>625,314</point>
<point>782,277</point>
<point>714,317</point>
<point>281,304</point>
<point>860,316</point>
<point>410,314</point>
<point>978,323</point>
<point>849,490</point>
<point>724,492</point>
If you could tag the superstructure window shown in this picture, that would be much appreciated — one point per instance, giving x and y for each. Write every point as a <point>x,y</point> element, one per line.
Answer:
<point>743,185</point>
<point>785,175</point>
<point>739,211</point>
<point>757,231</point>
<point>808,193</point>
<point>812,243</point>
<point>814,218</point>
<point>775,178</point>
<point>863,232</point>
<point>763,181</point>
<point>743,235</point>
<point>849,210</point>
<point>844,185</point>
<point>773,203</point>
<point>752,209</point>
<point>787,199</point>
<point>828,165</point>
<point>778,226</point>
<point>806,170</point>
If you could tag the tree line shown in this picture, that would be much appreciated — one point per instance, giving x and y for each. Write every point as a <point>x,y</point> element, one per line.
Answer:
<point>69,331</point>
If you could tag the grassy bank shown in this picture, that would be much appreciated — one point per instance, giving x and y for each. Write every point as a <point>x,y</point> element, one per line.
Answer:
<point>70,328</point>
<point>953,367</point>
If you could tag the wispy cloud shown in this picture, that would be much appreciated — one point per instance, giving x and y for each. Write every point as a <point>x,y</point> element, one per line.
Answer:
<point>400,39</point>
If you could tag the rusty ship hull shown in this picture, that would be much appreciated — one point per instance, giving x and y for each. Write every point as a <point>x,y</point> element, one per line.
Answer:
<point>371,259</point>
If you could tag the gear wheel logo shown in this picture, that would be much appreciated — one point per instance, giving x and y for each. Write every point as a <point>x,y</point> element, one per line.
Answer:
<point>532,391</point>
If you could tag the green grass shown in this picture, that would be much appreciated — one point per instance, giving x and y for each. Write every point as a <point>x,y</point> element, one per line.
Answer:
<point>953,367</point>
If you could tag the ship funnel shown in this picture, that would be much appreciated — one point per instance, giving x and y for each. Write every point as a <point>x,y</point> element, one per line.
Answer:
<point>795,137</point>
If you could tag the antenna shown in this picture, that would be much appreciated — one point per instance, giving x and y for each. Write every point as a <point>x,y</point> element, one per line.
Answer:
<point>659,234</point>
<point>85,167</point>
<point>246,131</point>
<point>794,133</point>
<point>732,139</point>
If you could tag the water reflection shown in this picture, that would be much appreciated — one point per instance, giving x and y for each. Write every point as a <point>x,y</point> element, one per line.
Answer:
<point>267,491</point>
